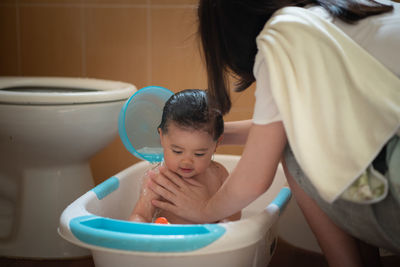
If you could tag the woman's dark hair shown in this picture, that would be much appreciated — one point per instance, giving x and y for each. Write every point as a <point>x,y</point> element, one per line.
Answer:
<point>228,30</point>
<point>190,109</point>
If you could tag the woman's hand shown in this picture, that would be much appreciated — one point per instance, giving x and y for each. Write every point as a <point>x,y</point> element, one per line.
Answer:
<point>186,198</point>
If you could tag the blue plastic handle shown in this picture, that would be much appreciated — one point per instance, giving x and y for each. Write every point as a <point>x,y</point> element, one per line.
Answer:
<point>107,187</point>
<point>147,237</point>
<point>282,199</point>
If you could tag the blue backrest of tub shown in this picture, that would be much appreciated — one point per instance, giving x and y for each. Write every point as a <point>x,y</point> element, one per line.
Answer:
<point>145,237</point>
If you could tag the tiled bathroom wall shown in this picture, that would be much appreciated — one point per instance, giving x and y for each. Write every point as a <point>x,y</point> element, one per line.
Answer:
<point>143,42</point>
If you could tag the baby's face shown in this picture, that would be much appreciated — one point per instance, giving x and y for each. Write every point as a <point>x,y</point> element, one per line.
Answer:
<point>187,152</point>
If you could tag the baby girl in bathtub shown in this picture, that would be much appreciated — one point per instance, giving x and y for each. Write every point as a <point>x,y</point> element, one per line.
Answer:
<point>189,132</point>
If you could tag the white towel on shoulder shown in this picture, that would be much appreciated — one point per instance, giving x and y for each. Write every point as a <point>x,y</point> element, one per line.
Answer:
<point>339,105</point>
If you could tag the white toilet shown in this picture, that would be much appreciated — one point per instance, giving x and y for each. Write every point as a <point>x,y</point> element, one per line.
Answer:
<point>49,129</point>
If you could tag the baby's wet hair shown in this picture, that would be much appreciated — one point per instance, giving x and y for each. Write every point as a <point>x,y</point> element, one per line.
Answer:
<point>190,109</point>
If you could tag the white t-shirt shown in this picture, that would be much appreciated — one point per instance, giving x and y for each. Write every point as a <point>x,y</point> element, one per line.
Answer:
<point>379,35</point>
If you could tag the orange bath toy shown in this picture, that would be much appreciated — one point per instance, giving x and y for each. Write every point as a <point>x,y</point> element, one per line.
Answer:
<point>161,220</point>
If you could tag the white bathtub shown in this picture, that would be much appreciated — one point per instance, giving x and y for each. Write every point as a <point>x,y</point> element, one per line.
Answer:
<point>96,221</point>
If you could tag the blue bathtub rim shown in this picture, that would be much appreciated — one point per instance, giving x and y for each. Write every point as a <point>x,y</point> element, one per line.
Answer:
<point>143,237</point>
<point>119,234</point>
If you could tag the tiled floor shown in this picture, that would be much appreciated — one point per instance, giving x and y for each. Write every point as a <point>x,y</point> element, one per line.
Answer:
<point>285,256</point>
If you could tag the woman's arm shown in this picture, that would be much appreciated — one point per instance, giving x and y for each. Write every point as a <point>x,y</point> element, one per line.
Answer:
<point>252,176</point>
<point>236,132</point>
<point>224,174</point>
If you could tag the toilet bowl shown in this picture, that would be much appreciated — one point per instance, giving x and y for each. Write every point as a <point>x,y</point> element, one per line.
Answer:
<point>49,129</point>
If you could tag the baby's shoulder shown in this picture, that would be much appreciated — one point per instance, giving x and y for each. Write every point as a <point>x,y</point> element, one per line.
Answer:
<point>219,170</point>
<point>154,168</point>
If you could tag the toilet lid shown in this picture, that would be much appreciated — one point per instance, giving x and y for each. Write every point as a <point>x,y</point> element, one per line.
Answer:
<point>57,90</point>
<point>138,122</point>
